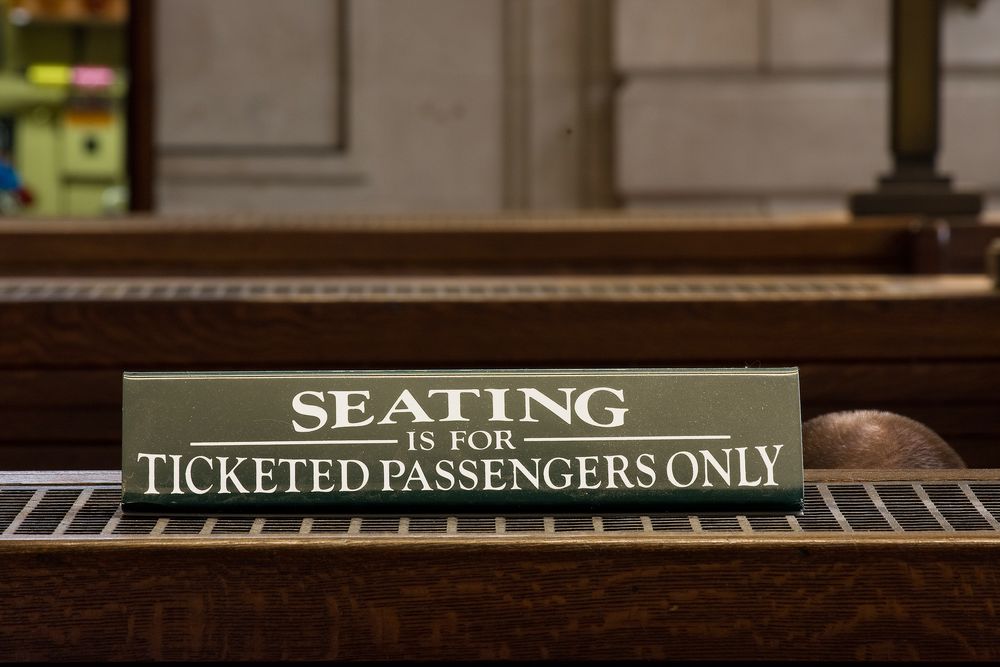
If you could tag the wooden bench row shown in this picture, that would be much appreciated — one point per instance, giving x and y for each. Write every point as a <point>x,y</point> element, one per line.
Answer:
<point>483,245</point>
<point>913,578</point>
<point>926,347</point>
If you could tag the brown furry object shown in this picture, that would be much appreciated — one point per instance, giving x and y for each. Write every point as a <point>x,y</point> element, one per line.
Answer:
<point>874,439</point>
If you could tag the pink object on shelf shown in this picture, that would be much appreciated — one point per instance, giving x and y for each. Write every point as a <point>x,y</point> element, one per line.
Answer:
<point>93,77</point>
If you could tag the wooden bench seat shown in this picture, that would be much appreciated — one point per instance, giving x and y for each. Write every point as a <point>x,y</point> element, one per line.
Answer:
<point>487,244</point>
<point>926,347</point>
<point>891,565</point>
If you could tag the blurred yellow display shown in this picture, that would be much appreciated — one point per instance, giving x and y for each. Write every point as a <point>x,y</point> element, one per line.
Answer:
<point>63,83</point>
<point>49,75</point>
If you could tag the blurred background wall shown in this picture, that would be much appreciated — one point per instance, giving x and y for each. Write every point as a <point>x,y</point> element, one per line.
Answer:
<point>743,106</point>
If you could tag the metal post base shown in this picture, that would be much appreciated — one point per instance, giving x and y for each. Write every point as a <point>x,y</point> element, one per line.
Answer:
<point>931,196</point>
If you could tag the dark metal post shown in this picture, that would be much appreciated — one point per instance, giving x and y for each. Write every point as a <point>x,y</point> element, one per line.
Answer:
<point>915,186</point>
<point>141,156</point>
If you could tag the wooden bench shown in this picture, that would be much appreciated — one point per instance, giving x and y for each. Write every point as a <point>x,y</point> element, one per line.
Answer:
<point>926,347</point>
<point>893,565</point>
<point>487,244</point>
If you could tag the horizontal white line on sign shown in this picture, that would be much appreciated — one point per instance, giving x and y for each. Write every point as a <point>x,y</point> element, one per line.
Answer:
<point>601,438</point>
<point>294,442</point>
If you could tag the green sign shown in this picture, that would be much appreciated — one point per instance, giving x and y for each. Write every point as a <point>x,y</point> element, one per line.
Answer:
<point>509,441</point>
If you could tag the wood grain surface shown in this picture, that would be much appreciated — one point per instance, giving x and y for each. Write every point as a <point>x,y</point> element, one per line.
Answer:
<point>464,321</point>
<point>579,243</point>
<point>577,599</point>
<point>484,244</point>
<point>653,596</point>
<point>925,347</point>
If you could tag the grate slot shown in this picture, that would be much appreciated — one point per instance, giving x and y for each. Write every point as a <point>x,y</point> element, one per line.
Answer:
<point>816,513</point>
<point>331,525</point>
<point>282,525</point>
<point>622,523</point>
<point>379,524</point>
<point>955,507</point>
<point>858,508</point>
<point>81,499</point>
<point>525,524</point>
<point>671,523</point>
<point>428,524</point>
<point>473,524</point>
<point>95,513</point>
<point>185,525</point>
<point>574,524</point>
<point>49,512</point>
<point>232,525</point>
<point>770,524</point>
<point>988,494</point>
<point>907,508</point>
<point>720,524</point>
<point>12,501</point>
<point>130,524</point>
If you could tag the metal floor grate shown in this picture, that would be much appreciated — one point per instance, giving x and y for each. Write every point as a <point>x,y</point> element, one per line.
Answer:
<point>81,511</point>
<point>433,289</point>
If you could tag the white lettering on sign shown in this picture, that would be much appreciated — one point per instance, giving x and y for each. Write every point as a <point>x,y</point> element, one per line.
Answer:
<point>602,407</point>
